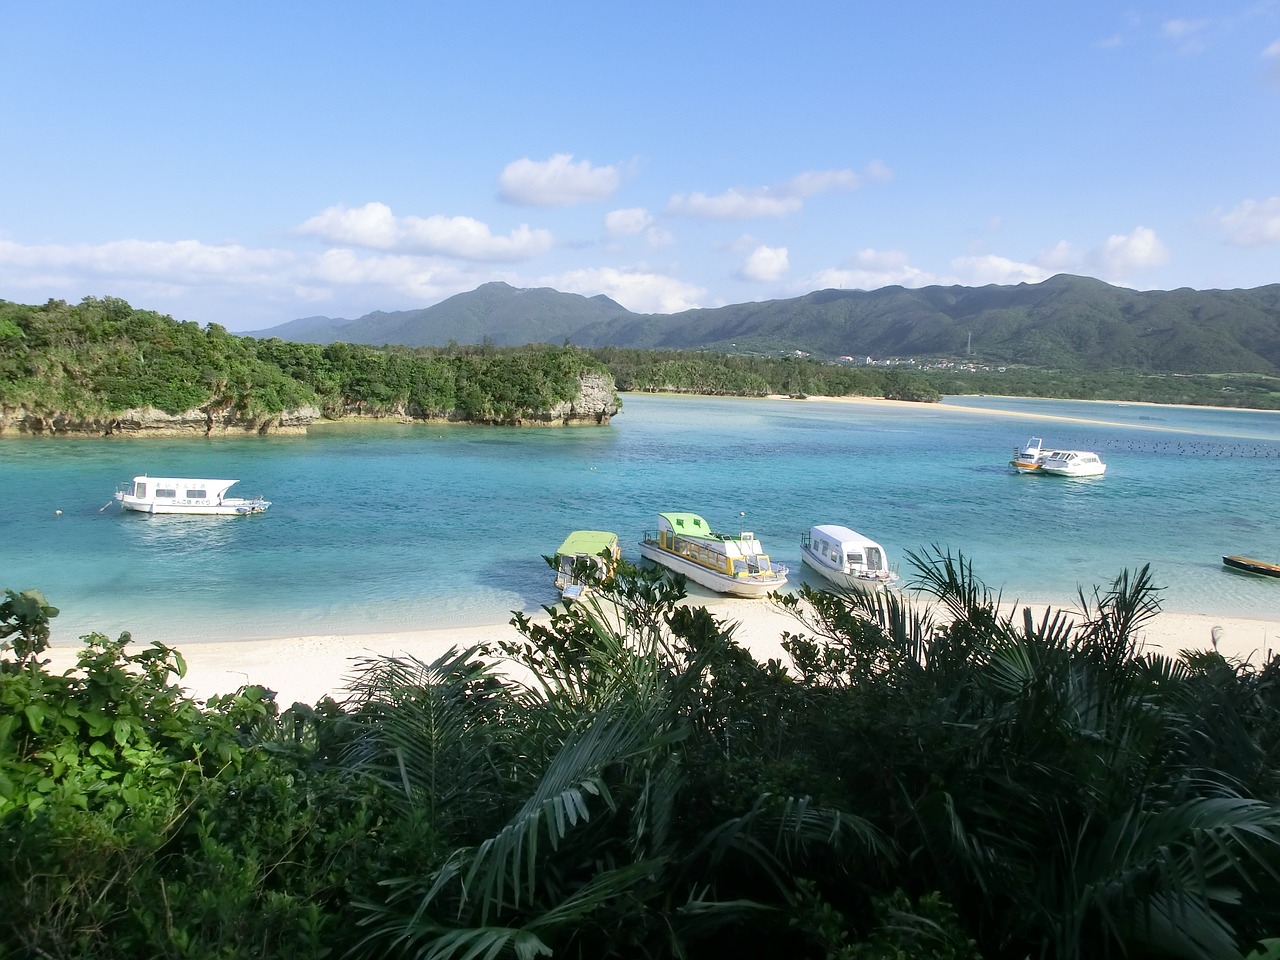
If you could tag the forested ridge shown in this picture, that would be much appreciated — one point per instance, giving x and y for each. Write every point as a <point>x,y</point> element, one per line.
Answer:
<point>1067,323</point>
<point>957,784</point>
<point>99,357</point>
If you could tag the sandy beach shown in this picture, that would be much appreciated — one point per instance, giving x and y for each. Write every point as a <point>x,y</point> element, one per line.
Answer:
<point>308,668</point>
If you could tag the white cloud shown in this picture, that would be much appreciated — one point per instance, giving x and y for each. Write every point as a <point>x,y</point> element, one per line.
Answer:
<point>1121,254</point>
<point>238,287</point>
<point>815,182</point>
<point>870,270</point>
<point>737,203</point>
<point>977,271</point>
<point>765,264</point>
<point>639,291</point>
<point>375,226</point>
<point>186,261</point>
<point>1272,51</point>
<point>558,182</point>
<point>1186,35</point>
<point>629,222</point>
<point>1253,223</point>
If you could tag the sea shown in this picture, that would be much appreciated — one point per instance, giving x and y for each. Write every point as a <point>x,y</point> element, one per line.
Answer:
<point>387,527</point>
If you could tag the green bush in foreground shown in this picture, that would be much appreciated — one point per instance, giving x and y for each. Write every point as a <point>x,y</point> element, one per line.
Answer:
<point>945,781</point>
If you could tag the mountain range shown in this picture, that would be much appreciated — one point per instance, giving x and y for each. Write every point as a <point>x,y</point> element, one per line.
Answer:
<point>1065,322</point>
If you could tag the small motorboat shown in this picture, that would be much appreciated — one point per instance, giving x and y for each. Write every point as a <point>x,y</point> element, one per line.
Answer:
<point>846,557</point>
<point>735,564</point>
<point>1073,463</point>
<point>1029,457</point>
<point>584,559</point>
<point>179,495</point>
<point>1249,565</point>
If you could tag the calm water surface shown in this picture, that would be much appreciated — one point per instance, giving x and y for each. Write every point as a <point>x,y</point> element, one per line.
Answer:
<point>392,527</point>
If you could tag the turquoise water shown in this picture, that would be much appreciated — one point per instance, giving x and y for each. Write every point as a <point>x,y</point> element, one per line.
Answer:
<point>392,527</point>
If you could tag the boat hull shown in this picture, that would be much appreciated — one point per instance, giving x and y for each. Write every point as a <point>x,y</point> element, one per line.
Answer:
<point>1025,466</point>
<point>748,586</point>
<point>1080,472</point>
<point>228,508</point>
<point>1249,565</point>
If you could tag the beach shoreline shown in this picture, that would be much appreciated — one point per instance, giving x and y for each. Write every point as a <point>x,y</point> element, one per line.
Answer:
<point>306,669</point>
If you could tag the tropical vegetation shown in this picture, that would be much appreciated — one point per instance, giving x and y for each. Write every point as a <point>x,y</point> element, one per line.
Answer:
<point>929,775</point>
<point>98,358</point>
<point>1068,323</point>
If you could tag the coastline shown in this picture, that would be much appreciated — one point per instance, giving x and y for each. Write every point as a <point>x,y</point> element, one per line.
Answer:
<point>885,404</point>
<point>308,668</point>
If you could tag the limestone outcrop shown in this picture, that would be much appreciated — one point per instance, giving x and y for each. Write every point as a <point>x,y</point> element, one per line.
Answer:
<point>595,404</point>
<point>148,421</point>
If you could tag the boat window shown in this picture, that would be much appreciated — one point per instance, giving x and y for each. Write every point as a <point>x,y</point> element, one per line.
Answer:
<point>196,495</point>
<point>170,494</point>
<point>854,558</point>
<point>139,489</point>
<point>874,559</point>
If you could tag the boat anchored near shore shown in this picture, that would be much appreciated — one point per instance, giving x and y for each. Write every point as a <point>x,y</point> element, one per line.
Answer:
<point>1250,565</point>
<point>178,495</point>
<point>584,559</point>
<point>733,564</point>
<point>846,557</point>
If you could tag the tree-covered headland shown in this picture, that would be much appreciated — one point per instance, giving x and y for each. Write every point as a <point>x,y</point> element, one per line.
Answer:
<point>627,781</point>
<point>92,360</point>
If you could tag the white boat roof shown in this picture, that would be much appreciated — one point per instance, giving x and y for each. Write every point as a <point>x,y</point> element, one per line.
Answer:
<point>842,535</point>
<point>1070,454</point>
<point>215,485</point>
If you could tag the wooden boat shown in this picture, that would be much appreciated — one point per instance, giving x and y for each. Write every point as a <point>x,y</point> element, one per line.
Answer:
<point>154,495</point>
<point>584,559</point>
<point>846,557</point>
<point>732,564</point>
<point>1250,565</point>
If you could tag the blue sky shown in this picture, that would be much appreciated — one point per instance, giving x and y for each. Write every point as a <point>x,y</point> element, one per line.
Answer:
<point>251,163</point>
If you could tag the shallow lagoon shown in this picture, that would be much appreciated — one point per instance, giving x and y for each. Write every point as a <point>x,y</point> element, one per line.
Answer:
<point>393,527</point>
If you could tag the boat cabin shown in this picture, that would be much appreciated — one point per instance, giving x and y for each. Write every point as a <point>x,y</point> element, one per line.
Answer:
<point>585,557</point>
<point>689,536</point>
<point>845,551</point>
<point>186,496</point>
<point>177,491</point>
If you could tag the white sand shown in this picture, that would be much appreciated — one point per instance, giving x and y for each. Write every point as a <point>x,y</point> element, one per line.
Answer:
<point>308,668</point>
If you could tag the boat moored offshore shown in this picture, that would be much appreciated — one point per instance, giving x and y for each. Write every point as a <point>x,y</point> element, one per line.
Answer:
<point>179,495</point>
<point>1073,463</point>
<point>1029,458</point>
<point>846,557</point>
<point>733,564</point>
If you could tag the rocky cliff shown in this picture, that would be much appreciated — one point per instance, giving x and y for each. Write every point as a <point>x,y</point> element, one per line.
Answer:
<point>148,421</point>
<point>595,404</point>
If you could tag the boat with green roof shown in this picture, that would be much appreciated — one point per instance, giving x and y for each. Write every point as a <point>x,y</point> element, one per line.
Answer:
<point>584,559</point>
<point>734,564</point>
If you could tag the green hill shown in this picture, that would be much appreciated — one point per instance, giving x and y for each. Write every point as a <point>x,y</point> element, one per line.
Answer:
<point>1065,323</point>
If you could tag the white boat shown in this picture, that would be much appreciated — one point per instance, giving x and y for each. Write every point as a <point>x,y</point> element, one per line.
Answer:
<point>1030,457</point>
<point>584,559</point>
<point>846,557</point>
<point>1073,463</point>
<point>732,564</point>
<point>181,495</point>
